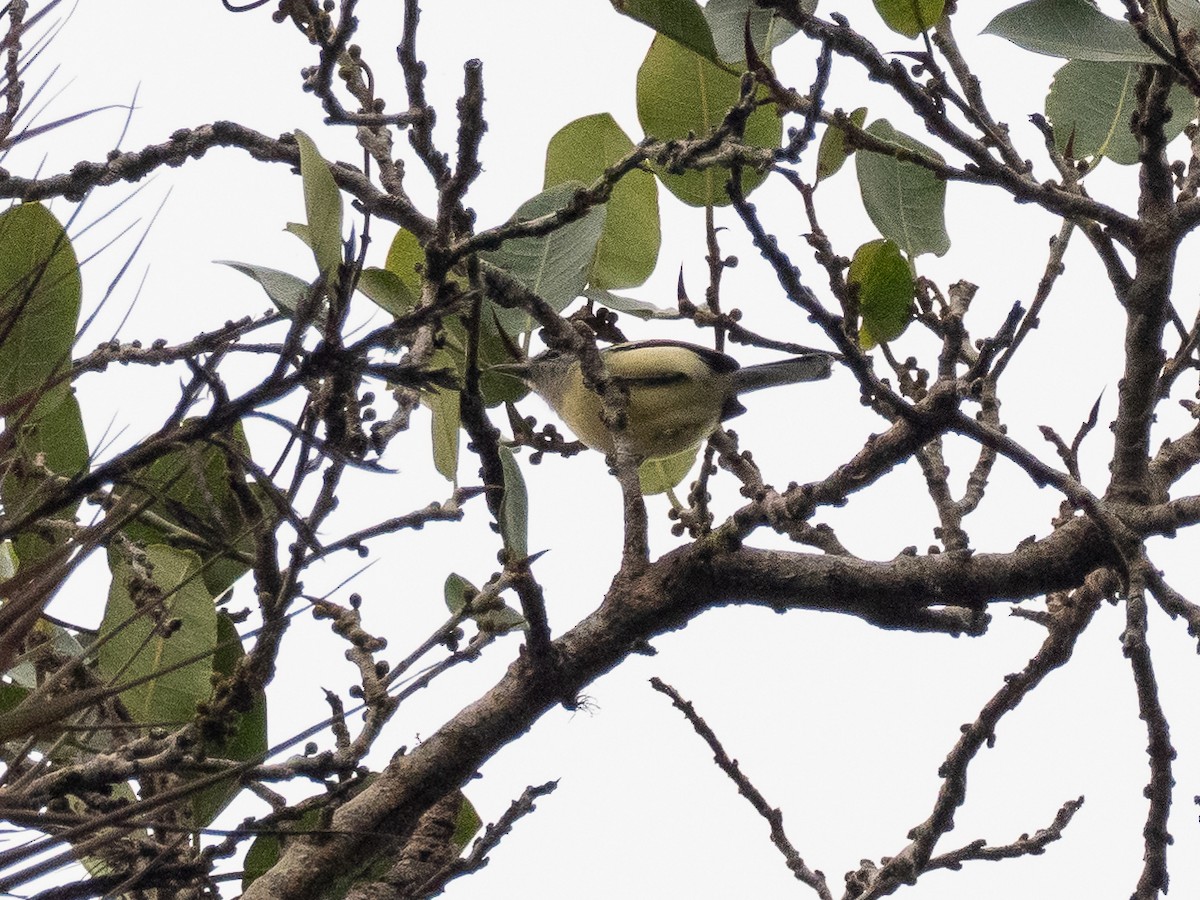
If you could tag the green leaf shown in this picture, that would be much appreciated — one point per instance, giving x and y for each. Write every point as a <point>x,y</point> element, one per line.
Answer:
<point>680,20</point>
<point>455,591</point>
<point>768,29</point>
<point>52,436</point>
<point>466,826</point>
<point>302,231</point>
<point>386,290</point>
<point>322,207</point>
<point>833,152</point>
<point>554,266</point>
<point>496,618</point>
<point>1073,29</point>
<point>910,17</point>
<point>680,93</point>
<point>514,508</point>
<point>499,620</point>
<point>885,291</point>
<point>247,735</point>
<point>447,419</point>
<point>40,295</point>
<point>405,258</point>
<point>628,247</point>
<point>25,672</point>
<point>192,489</point>
<point>265,849</point>
<point>1090,104</point>
<point>135,645</point>
<point>284,289</point>
<point>12,696</point>
<point>637,308</point>
<point>263,854</point>
<point>495,388</point>
<point>906,202</point>
<point>1186,13</point>
<point>657,476</point>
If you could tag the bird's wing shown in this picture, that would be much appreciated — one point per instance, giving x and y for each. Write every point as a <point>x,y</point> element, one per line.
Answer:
<point>621,355</point>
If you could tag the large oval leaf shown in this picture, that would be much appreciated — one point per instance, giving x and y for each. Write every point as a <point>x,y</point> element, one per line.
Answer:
<point>1090,104</point>
<point>445,405</point>
<point>192,488</point>
<point>906,201</point>
<point>40,295</point>
<point>910,17</point>
<point>1073,29</point>
<point>405,256</point>
<point>680,20</point>
<point>554,266</point>
<point>680,93</point>
<point>52,436</point>
<point>885,291</point>
<point>768,29</point>
<point>629,241</point>
<point>135,648</point>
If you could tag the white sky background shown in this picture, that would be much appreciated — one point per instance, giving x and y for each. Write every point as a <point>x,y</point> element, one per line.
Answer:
<point>840,724</point>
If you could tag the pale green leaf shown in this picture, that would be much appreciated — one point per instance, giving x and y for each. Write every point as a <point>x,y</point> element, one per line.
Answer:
<point>680,93</point>
<point>52,435</point>
<point>283,289</point>
<point>680,20</point>
<point>133,644</point>
<point>639,309</point>
<point>466,826</point>
<point>1073,29</point>
<point>386,290</point>
<point>499,620</point>
<point>1090,104</point>
<point>628,247</point>
<point>657,476</point>
<point>905,201</point>
<point>554,266</point>
<point>833,152</point>
<point>322,207</point>
<point>455,591</point>
<point>768,29</point>
<point>405,257</point>
<point>910,17</point>
<point>885,291</point>
<point>514,508</point>
<point>40,296</point>
<point>447,419</point>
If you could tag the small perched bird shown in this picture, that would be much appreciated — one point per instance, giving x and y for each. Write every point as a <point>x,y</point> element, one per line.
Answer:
<point>679,393</point>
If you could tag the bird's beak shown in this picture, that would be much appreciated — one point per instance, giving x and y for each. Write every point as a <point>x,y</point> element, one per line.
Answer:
<point>514,369</point>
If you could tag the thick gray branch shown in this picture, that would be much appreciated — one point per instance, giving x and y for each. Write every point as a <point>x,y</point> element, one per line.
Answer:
<point>670,592</point>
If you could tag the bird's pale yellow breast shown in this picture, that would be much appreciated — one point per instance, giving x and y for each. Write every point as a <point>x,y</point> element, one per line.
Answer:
<point>671,400</point>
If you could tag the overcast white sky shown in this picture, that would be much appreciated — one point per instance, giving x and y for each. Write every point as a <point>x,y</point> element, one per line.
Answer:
<point>840,724</point>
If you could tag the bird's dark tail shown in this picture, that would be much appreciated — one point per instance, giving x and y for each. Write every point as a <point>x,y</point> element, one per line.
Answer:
<point>810,367</point>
